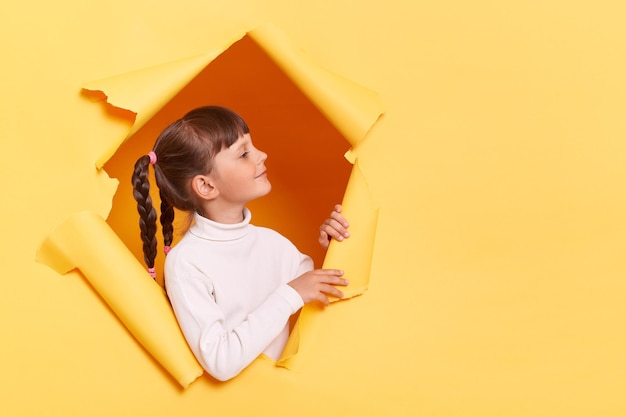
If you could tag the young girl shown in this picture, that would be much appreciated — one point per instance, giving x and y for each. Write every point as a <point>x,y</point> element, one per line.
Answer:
<point>233,286</point>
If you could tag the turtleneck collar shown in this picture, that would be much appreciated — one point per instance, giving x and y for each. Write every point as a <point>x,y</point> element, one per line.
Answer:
<point>210,230</point>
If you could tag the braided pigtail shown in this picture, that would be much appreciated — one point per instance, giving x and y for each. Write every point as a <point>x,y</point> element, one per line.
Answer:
<point>185,148</point>
<point>167,218</point>
<point>147,213</point>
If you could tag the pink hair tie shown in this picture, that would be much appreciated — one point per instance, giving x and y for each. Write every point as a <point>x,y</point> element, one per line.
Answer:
<point>166,249</point>
<point>152,272</point>
<point>153,157</point>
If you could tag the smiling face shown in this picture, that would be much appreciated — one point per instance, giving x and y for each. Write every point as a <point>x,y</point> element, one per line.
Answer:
<point>238,177</point>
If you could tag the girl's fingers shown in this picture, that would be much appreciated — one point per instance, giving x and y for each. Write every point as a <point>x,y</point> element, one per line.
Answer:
<point>330,290</point>
<point>324,239</point>
<point>325,292</point>
<point>333,272</point>
<point>338,217</point>
<point>323,299</point>
<point>334,229</point>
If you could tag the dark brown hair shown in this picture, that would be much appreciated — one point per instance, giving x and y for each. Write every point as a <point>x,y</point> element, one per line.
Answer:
<point>185,148</point>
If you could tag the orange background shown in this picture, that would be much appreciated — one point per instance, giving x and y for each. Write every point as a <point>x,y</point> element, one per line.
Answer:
<point>306,165</point>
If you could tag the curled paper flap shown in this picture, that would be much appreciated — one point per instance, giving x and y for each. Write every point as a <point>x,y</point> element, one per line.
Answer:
<point>353,255</point>
<point>145,91</point>
<point>351,108</point>
<point>84,241</point>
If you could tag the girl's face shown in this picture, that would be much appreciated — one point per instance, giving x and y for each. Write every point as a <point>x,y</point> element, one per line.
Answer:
<point>239,172</point>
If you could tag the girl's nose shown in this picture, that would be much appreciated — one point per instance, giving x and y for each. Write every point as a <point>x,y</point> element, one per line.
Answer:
<point>262,156</point>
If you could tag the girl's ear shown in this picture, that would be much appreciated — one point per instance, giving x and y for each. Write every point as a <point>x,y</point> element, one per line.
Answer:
<point>203,187</point>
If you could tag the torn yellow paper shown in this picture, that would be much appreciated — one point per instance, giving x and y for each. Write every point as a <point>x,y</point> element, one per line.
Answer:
<point>353,255</point>
<point>350,107</point>
<point>498,273</point>
<point>86,242</point>
<point>147,90</point>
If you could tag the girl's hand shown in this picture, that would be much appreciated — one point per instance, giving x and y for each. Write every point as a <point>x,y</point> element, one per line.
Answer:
<point>334,227</point>
<point>317,285</point>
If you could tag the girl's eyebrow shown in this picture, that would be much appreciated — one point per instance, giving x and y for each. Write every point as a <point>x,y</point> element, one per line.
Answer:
<point>242,145</point>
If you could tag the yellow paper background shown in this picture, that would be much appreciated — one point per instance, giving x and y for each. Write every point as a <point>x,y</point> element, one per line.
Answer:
<point>113,266</point>
<point>497,278</point>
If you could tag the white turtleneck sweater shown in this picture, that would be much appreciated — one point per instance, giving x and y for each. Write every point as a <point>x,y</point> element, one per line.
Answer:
<point>228,287</point>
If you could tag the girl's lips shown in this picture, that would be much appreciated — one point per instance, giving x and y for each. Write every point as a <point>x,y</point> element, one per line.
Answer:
<point>262,174</point>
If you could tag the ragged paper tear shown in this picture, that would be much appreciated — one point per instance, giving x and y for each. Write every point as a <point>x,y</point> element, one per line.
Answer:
<point>350,107</point>
<point>86,242</point>
<point>352,255</point>
<point>144,92</point>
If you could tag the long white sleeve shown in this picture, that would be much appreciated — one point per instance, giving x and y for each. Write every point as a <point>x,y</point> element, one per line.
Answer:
<point>230,295</point>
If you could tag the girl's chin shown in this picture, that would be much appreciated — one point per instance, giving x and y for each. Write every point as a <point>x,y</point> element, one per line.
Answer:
<point>266,190</point>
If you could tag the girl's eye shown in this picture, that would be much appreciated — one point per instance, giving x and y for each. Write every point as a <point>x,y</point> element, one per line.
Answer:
<point>245,154</point>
